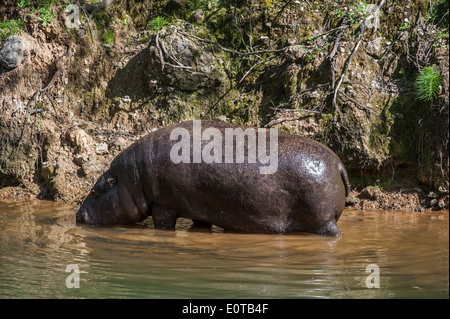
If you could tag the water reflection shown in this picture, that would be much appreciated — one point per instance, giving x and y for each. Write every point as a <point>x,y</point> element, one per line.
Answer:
<point>39,239</point>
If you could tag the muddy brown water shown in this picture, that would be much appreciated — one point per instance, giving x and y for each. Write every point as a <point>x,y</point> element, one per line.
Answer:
<point>407,253</point>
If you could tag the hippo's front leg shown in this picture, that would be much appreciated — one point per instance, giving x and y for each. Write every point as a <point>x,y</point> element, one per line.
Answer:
<point>163,216</point>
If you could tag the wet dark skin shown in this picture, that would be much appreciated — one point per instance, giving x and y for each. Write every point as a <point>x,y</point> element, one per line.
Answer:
<point>306,194</point>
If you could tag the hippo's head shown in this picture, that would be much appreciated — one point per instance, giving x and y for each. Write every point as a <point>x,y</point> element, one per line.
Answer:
<point>103,205</point>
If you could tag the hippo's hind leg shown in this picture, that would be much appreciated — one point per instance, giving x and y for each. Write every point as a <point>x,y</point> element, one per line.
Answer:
<point>163,216</point>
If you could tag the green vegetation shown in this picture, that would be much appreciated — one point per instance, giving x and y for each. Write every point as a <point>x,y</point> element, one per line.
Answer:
<point>24,4</point>
<point>157,23</point>
<point>9,28</point>
<point>109,37</point>
<point>427,84</point>
<point>46,16</point>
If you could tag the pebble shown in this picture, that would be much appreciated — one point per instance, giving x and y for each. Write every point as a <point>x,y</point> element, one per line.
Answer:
<point>126,99</point>
<point>101,148</point>
<point>120,143</point>
<point>432,195</point>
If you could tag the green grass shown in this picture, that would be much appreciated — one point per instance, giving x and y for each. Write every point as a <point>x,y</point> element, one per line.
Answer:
<point>427,84</point>
<point>9,28</point>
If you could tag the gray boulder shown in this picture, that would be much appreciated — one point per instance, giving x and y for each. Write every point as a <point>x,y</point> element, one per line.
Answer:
<point>177,61</point>
<point>11,53</point>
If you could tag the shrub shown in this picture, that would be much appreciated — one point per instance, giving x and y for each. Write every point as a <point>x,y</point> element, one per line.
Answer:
<point>427,84</point>
<point>157,23</point>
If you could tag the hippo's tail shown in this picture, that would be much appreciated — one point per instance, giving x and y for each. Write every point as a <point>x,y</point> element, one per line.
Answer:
<point>344,177</point>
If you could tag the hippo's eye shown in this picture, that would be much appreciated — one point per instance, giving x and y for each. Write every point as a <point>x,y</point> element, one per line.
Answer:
<point>94,194</point>
<point>111,181</point>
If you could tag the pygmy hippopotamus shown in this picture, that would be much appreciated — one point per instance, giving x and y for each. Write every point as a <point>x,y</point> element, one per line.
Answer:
<point>209,172</point>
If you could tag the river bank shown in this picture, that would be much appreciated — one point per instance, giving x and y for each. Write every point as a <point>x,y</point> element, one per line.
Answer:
<point>340,73</point>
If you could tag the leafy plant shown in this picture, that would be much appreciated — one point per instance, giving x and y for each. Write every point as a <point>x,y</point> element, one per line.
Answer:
<point>404,26</point>
<point>46,16</point>
<point>24,4</point>
<point>427,84</point>
<point>157,23</point>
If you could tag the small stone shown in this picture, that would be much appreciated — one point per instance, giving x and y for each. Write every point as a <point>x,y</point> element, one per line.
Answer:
<point>126,99</point>
<point>79,138</point>
<point>222,118</point>
<point>373,47</point>
<point>442,190</point>
<point>432,195</point>
<point>11,53</point>
<point>101,148</point>
<point>352,200</point>
<point>370,192</point>
<point>120,143</point>
<point>104,84</point>
<point>434,202</point>
<point>294,53</point>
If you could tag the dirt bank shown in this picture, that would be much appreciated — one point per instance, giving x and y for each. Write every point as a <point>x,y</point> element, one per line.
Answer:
<point>343,74</point>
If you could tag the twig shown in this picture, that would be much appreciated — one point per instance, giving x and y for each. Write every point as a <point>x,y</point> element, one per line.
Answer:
<point>358,104</point>
<point>300,93</point>
<point>230,50</point>
<point>349,60</point>
<point>161,57</point>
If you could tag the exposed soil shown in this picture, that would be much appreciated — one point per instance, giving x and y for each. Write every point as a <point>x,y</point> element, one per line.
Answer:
<point>82,96</point>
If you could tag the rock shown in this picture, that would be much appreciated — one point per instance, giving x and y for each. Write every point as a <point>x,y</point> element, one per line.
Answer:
<point>222,118</point>
<point>102,148</point>
<point>434,202</point>
<point>120,143</point>
<point>264,39</point>
<point>442,204</point>
<point>442,190</point>
<point>373,47</point>
<point>79,138</point>
<point>80,159</point>
<point>370,192</point>
<point>126,99</point>
<point>352,200</point>
<point>184,64</point>
<point>432,195</point>
<point>11,53</point>
<point>294,53</point>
